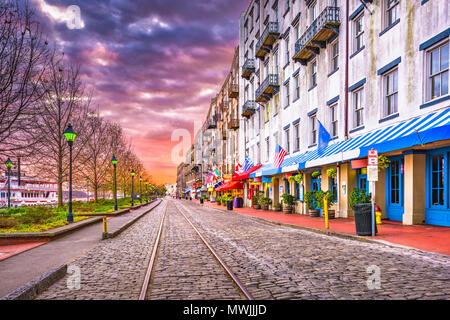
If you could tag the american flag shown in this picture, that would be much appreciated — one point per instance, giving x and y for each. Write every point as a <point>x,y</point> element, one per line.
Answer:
<point>247,164</point>
<point>279,156</point>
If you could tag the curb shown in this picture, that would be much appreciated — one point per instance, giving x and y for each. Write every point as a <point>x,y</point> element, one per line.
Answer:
<point>114,234</point>
<point>330,233</point>
<point>38,285</point>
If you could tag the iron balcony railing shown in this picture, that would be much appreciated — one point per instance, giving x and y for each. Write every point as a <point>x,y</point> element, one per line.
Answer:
<point>233,90</point>
<point>271,80</point>
<point>233,124</point>
<point>272,27</point>
<point>248,108</point>
<point>328,15</point>
<point>249,66</point>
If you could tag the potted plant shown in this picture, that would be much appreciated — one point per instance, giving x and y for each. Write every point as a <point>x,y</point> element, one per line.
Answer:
<point>256,200</point>
<point>299,178</point>
<point>288,203</point>
<point>291,179</point>
<point>311,204</point>
<point>266,202</point>
<point>224,199</point>
<point>360,202</point>
<point>332,173</point>
<point>277,207</point>
<point>316,174</point>
<point>321,196</point>
<point>218,200</point>
<point>383,162</point>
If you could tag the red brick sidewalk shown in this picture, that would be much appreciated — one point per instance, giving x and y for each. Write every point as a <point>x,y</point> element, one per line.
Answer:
<point>424,237</point>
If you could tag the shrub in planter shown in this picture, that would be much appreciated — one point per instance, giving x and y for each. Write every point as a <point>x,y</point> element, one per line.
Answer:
<point>316,174</point>
<point>298,178</point>
<point>277,207</point>
<point>218,200</point>
<point>257,198</point>
<point>360,202</point>
<point>291,179</point>
<point>320,196</point>
<point>310,201</point>
<point>332,173</point>
<point>288,203</point>
<point>266,202</point>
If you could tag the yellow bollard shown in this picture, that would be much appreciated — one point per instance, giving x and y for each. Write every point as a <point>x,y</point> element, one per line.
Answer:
<point>325,208</point>
<point>105,228</point>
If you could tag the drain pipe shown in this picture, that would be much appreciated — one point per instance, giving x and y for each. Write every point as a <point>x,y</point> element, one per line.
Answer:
<point>346,67</point>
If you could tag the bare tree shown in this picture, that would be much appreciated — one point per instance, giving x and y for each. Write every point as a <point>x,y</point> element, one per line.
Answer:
<point>65,101</point>
<point>23,61</point>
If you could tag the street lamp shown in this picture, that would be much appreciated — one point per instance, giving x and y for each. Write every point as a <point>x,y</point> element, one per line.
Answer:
<point>9,164</point>
<point>114,162</point>
<point>132,187</point>
<point>70,137</point>
<point>140,191</point>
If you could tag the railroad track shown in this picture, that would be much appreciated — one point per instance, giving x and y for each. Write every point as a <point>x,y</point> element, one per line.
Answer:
<point>151,269</point>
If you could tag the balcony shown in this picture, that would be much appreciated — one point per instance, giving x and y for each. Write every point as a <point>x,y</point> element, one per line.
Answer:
<point>268,38</point>
<point>224,133</point>
<point>248,108</point>
<point>316,36</point>
<point>248,68</point>
<point>266,90</point>
<point>210,124</point>
<point>233,124</point>
<point>224,105</point>
<point>233,90</point>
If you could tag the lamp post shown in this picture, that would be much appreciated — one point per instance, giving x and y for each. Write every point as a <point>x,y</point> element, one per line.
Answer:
<point>87,184</point>
<point>70,137</point>
<point>9,164</point>
<point>114,162</point>
<point>140,191</point>
<point>132,187</point>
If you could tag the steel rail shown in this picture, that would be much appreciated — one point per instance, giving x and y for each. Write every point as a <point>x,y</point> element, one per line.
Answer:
<point>151,263</point>
<point>217,257</point>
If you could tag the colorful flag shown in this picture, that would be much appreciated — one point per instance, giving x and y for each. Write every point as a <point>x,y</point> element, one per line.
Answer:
<point>247,164</point>
<point>237,169</point>
<point>216,173</point>
<point>324,138</point>
<point>279,156</point>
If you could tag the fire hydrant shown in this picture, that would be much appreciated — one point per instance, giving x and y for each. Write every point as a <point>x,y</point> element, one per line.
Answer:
<point>378,214</point>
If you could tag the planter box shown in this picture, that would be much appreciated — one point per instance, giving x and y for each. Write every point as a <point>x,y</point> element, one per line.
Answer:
<point>314,213</point>
<point>276,209</point>
<point>265,207</point>
<point>257,206</point>
<point>287,209</point>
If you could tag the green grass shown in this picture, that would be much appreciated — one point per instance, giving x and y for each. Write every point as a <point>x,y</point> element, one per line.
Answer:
<point>42,218</point>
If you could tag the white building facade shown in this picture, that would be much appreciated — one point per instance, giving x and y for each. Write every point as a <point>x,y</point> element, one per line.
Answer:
<point>375,75</point>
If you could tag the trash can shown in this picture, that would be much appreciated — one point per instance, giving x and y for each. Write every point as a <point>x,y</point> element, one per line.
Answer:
<point>201,200</point>
<point>230,204</point>
<point>363,219</point>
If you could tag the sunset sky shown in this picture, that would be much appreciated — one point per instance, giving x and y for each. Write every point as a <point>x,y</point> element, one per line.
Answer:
<point>154,65</point>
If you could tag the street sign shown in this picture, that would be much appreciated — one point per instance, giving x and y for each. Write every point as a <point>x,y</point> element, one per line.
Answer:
<point>372,173</point>
<point>372,158</point>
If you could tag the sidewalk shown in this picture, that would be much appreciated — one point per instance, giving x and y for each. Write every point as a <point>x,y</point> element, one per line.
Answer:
<point>19,269</point>
<point>424,237</point>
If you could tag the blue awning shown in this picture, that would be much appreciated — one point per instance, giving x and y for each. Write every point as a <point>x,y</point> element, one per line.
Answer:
<point>424,129</point>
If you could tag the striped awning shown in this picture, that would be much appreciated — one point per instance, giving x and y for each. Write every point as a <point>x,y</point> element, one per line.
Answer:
<point>418,131</point>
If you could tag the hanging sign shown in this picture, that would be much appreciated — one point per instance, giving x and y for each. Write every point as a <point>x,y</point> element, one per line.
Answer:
<point>372,158</point>
<point>372,173</point>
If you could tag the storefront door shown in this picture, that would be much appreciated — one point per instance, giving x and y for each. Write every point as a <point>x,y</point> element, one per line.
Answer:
<point>395,189</point>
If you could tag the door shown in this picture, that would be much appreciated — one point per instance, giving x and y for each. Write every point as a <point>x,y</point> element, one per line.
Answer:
<point>315,186</point>
<point>395,189</point>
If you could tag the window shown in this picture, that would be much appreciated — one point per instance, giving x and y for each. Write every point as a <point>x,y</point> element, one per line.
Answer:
<point>275,63</point>
<point>437,180</point>
<point>313,129</point>
<point>358,33</point>
<point>267,149</point>
<point>437,79</point>
<point>391,12</point>
<point>296,31</point>
<point>246,30</point>
<point>314,74</point>
<point>312,12</point>
<point>258,155</point>
<point>276,101</point>
<point>390,93</point>
<point>251,20</point>
<point>286,90</point>
<point>267,112</point>
<point>333,188</point>
<point>334,120</point>
<point>296,137</point>
<point>287,140</point>
<point>334,56</point>
<point>297,88</point>
<point>358,107</point>
<point>286,59</point>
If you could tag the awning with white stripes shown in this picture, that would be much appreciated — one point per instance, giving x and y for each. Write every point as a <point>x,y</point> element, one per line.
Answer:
<point>421,130</point>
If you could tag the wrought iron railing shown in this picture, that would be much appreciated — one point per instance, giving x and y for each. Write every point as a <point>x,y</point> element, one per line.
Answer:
<point>249,105</point>
<point>248,64</point>
<point>328,15</point>
<point>271,79</point>
<point>272,27</point>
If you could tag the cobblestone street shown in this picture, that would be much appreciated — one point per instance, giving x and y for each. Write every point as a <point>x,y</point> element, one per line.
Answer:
<point>272,262</point>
